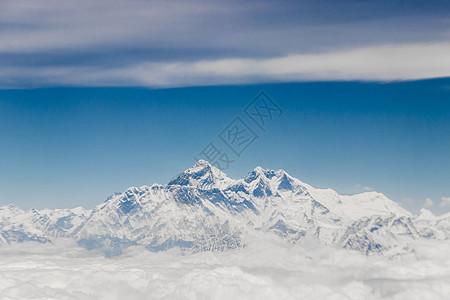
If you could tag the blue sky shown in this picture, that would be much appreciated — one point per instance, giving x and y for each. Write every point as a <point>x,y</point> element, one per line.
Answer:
<point>99,95</point>
<point>75,146</point>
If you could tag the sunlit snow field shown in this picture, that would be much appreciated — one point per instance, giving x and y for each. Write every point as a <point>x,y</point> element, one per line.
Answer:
<point>265,269</point>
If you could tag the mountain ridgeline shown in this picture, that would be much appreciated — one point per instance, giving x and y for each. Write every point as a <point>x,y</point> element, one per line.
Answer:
<point>204,210</point>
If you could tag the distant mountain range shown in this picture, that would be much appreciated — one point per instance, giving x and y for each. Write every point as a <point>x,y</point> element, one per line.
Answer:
<point>203,209</point>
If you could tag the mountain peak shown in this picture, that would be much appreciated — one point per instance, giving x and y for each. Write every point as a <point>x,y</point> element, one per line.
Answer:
<point>11,208</point>
<point>259,172</point>
<point>425,214</point>
<point>205,165</point>
<point>202,175</point>
<point>202,163</point>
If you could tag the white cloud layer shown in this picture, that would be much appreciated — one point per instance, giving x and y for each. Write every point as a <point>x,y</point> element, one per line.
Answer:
<point>382,63</point>
<point>198,42</point>
<point>396,62</point>
<point>263,270</point>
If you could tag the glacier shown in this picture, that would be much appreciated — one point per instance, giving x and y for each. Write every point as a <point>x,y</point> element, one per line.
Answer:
<point>202,209</point>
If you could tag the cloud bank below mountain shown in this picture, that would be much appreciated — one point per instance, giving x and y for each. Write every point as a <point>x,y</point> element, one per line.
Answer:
<point>266,269</point>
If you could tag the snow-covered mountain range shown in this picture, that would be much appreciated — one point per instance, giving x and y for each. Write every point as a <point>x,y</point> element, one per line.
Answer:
<point>203,209</point>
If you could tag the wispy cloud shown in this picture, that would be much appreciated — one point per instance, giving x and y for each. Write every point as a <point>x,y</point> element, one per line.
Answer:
<point>428,203</point>
<point>445,201</point>
<point>365,188</point>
